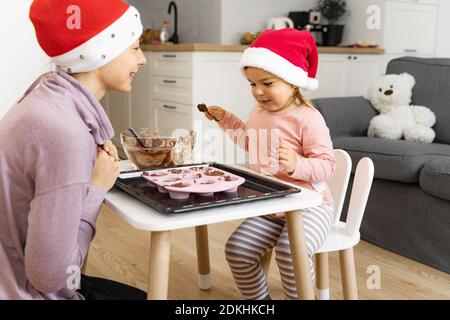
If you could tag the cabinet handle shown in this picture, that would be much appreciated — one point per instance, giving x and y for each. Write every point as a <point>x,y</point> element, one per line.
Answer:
<point>169,107</point>
<point>410,50</point>
<point>354,58</point>
<point>169,81</point>
<point>349,57</point>
<point>169,55</point>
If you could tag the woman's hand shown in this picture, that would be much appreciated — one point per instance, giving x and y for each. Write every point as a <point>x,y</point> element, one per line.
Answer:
<point>215,113</point>
<point>106,170</point>
<point>111,150</point>
<point>288,158</point>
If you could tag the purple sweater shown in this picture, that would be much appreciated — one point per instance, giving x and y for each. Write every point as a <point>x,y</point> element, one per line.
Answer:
<point>48,206</point>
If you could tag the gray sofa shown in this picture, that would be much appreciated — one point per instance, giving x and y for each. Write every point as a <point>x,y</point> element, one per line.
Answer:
<point>408,211</point>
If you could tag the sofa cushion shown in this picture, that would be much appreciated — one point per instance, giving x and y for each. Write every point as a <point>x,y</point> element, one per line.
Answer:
<point>435,178</point>
<point>396,160</point>
<point>432,88</point>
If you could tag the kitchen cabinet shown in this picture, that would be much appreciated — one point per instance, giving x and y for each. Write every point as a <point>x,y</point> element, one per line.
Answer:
<point>175,64</point>
<point>174,89</point>
<point>407,27</point>
<point>171,83</point>
<point>212,78</point>
<point>341,75</point>
<point>139,103</point>
<point>364,70</point>
<point>410,27</point>
<point>429,2</point>
<point>332,76</point>
<point>171,115</point>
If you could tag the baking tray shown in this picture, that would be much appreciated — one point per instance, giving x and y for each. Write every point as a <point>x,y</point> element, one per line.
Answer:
<point>255,188</point>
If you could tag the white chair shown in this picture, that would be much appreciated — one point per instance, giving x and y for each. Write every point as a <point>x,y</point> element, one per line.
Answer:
<point>338,185</point>
<point>345,235</point>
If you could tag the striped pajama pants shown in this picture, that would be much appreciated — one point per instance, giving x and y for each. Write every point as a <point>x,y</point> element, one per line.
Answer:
<point>256,236</point>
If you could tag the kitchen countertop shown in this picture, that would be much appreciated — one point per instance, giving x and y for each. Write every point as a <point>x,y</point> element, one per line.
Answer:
<point>239,48</point>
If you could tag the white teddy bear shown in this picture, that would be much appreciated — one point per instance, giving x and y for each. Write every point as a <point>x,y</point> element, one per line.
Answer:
<point>391,97</point>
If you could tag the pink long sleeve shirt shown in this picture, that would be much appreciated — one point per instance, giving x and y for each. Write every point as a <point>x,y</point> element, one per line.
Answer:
<point>302,128</point>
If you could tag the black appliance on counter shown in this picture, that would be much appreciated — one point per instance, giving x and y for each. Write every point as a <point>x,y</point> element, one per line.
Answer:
<point>308,20</point>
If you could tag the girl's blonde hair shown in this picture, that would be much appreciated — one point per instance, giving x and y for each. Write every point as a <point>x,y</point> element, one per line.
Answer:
<point>299,99</point>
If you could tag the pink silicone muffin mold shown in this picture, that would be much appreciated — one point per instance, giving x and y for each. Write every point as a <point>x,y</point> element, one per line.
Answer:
<point>199,180</point>
<point>232,190</point>
<point>192,175</point>
<point>205,181</point>
<point>161,183</point>
<point>155,175</point>
<point>179,195</point>
<point>151,184</point>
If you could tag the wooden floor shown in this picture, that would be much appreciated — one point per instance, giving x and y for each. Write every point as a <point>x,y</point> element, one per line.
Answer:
<point>120,252</point>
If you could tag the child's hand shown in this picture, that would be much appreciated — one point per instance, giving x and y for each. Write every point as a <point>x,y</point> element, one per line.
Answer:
<point>111,150</point>
<point>215,113</point>
<point>288,158</point>
<point>279,215</point>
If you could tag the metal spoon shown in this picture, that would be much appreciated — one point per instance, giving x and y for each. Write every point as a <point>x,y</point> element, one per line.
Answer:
<point>138,137</point>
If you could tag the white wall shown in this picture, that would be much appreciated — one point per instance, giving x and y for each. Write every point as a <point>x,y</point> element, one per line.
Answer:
<point>198,20</point>
<point>21,58</point>
<point>355,22</point>
<point>217,21</point>
<point>240,16</point>
<point>443,35</point>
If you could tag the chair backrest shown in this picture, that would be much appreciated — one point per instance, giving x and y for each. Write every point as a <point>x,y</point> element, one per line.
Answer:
<point>362,183</point>
<point>339,181</point>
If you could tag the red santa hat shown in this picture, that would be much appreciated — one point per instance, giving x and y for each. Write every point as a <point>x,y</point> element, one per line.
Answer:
<point>287,53</point>
<point>83,35</point>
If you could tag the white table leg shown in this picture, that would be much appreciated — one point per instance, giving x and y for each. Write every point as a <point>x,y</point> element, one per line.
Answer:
<point>158,272</point>
<point>322,276</point>
<point>204,271</point>
<point>299,252</point>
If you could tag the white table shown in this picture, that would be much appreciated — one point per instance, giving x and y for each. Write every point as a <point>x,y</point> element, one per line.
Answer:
<point>143,217</point>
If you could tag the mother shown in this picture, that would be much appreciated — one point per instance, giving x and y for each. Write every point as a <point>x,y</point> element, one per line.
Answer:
<point>56,158</point>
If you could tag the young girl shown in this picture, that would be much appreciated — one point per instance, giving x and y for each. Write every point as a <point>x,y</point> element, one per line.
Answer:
<point>56,158</point>
<point>278,65</point>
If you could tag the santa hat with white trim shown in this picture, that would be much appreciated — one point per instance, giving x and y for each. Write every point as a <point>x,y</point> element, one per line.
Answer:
<point>288,53</point>
<point>84,35</point>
